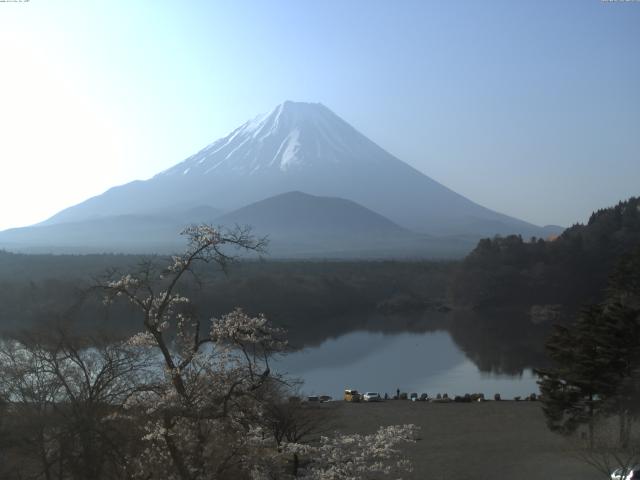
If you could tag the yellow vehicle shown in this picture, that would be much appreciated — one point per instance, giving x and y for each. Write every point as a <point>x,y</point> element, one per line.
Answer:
<point>351,395</point>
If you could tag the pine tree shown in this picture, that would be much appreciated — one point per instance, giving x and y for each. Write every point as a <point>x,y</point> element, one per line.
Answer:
<point>621,339</point>
<point>597,360</point>
<point>574,391</point>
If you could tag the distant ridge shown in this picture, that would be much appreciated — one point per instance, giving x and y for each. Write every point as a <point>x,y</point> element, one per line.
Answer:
<point>297,225</point>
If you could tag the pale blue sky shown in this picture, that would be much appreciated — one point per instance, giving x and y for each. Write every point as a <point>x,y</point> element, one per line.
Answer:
<point>529,108</point>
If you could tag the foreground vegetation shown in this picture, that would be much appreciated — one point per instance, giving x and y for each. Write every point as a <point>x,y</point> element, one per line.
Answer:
<point>172,401</point>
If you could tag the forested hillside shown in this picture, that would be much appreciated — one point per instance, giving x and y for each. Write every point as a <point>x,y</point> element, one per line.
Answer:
<point>569,270</point>
<point>310,298</point>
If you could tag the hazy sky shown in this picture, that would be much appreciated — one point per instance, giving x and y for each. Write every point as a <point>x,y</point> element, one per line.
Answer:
<point>529,108</point>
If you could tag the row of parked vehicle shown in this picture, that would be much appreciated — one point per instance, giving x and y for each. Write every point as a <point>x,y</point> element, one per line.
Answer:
<point>351,395</point>
<point>319,398</point>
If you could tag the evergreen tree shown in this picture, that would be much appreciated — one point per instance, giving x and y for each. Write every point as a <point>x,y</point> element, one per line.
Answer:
<point>575,389</point>
<point>621,340</point>
<point>597,360</point>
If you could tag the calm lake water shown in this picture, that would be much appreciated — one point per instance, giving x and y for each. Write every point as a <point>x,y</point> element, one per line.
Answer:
<point>427,362</point>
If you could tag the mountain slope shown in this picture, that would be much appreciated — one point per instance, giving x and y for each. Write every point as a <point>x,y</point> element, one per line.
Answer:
<point>118,233</point>
<point>302,147</point>
<point>133,233</point>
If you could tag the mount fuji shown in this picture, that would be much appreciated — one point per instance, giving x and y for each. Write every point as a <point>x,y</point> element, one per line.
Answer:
<point>297,147</point>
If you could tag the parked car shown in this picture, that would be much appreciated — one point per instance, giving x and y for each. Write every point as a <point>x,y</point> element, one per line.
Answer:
<point>313,398</point>
<point>372,397</point>
<point>325,398</point>
<point>413,397</point>
<point>351,395</point>
<point>633,473</point>
<point>424,397</point>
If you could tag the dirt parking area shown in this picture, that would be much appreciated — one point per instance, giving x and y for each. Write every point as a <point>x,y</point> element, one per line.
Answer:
<point>460,441</point>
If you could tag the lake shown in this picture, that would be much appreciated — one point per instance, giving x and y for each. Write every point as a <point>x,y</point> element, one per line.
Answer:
<point>428,362</point>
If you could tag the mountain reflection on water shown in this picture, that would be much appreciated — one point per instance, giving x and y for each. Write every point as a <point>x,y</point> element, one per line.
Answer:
<point>457,353</point>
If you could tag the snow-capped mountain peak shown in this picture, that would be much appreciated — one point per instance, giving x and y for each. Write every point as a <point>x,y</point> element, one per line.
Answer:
<point>301,147</point>
<point>292,136</point>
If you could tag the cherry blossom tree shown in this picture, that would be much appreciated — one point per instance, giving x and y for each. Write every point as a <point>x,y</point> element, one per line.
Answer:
<point>183,399</point>
<point>344,456</point>
<point>197,417</point>
<point>202,406</point>
<point>64,390</point>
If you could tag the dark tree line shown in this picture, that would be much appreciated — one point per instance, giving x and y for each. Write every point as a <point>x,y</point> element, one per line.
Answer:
<point>571,269</point>
<point>596,373</point>
<point>310,299</point>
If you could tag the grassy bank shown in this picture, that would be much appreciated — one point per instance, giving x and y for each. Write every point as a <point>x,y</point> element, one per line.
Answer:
<point>458,441</point>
